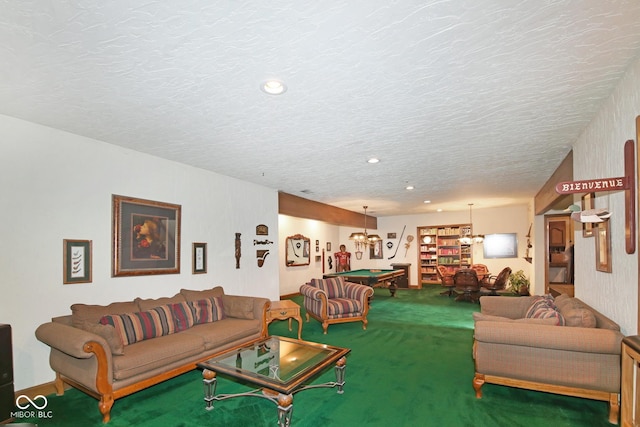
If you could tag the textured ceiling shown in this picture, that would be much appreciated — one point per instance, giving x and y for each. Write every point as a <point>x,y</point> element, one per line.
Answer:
<point>472,101</point>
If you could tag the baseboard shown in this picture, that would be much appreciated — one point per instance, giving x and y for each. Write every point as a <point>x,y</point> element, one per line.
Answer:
<point>40,390</point>
<point>289,296</point>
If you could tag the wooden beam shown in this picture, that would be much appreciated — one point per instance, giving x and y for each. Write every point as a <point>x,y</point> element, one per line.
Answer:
<point>291,205</point>
<point>547,196</point>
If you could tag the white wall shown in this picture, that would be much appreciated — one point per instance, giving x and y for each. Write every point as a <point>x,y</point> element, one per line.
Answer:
<point>292,277</point>
<point>57,185</point>
<point>598,153</point>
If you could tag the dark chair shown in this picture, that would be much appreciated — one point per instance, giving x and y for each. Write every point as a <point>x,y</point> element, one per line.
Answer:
<point>467,284</point>
<point>482,271</point>
<point>446,280</point>
<point>499,282</point>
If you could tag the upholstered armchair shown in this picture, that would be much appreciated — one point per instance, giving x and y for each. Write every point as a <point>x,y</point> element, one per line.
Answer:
<point>333,300</point>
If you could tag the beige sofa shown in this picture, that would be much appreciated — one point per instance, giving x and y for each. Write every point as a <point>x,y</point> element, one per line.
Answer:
<point>115,350</point>
<point>519,344</point>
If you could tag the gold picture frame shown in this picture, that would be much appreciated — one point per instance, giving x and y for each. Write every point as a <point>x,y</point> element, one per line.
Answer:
<point>603,246</point>
<point>146,237</point>
<point>588,203</point>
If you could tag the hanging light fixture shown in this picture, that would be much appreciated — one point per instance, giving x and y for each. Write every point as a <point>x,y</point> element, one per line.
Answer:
<point>363,238</point>
<point>467,238</point>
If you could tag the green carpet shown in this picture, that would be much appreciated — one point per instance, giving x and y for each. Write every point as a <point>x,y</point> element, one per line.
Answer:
<point>412,366</point>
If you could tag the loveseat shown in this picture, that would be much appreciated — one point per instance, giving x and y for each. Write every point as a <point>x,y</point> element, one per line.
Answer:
<point>118,349</point>
<point>552,345</point>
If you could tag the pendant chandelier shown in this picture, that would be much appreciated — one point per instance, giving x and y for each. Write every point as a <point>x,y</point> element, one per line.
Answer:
<point>467,238</point>
<point>363,238</point>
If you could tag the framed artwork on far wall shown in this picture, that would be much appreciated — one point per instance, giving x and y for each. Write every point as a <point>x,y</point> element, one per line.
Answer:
<point>375,251</point>
<point>199,258</point>
<point>146,237</point>
<point>587,203</point>
<point>77,261</point>
<point>603,246</point>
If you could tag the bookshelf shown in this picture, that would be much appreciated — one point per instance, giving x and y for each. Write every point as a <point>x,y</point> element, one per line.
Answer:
<point>440,245</point>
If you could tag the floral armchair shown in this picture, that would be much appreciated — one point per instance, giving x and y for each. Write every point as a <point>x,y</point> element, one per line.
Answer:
<point>333,300</point>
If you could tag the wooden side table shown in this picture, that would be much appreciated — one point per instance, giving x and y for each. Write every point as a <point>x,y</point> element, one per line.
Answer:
<point>285,309</point>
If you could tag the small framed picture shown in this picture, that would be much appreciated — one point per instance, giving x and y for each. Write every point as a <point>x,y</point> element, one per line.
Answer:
<point>603,246</point>
<point>328,246</point>
<point>587,203</point>
<point>77,261</point>
<point>199,258</point>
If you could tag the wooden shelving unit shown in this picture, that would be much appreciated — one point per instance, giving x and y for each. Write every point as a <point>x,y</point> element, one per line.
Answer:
<point>440,245</point>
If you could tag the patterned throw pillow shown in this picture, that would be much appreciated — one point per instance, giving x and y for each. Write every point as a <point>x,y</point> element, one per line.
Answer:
<point>333,286</point>
<point>207,310</point>
<point>183,316</point>
<point>134,327</point>
<point>542,308</point>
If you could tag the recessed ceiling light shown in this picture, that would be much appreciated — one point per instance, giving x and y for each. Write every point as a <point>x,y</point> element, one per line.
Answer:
<point>273,87</point>
<point>439,210</point>
<point>409,187</point>
<point>373,160</point>
<point>427,201</point>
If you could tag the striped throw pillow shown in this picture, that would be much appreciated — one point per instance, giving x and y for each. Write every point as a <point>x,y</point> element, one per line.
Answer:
<point>183,316</point>
<point>207,310</point>
<point>541,308</point>
<point>142,325</point>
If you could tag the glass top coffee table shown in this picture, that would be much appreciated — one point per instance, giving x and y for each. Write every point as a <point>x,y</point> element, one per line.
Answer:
<point>280,366</point>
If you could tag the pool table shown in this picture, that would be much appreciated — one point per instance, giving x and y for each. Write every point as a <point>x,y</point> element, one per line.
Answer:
<point>376,278</point>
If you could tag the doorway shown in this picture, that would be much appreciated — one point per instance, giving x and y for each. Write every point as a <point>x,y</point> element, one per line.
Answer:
<point>559,265</point>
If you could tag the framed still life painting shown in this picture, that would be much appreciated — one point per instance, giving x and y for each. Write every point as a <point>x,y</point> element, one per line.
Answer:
<point>146,237</point>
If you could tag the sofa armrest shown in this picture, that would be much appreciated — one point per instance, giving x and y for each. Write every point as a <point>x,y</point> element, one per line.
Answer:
<point>511,307</point>
<point>358,292</point>
<point>260,307</point>
<point>586,340</point>
<point>70,340</point>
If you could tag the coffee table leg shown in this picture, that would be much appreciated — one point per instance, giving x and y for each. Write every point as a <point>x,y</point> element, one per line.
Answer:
<point>341,364</point>
<point>285,409</point>
<point>209,382</point>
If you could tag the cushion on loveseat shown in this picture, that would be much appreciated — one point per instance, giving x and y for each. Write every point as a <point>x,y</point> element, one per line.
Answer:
<point>157,354</point>
<point>238,307</point>
<point>148,304</point>
<point>109,334</point>
<point>477,316</point>
<point>217,335</point>
<point>575,312</point>
<point>92,313</point>
<point>191,295</point>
